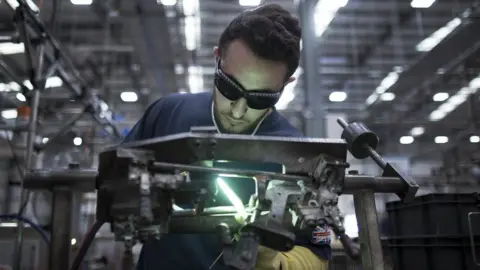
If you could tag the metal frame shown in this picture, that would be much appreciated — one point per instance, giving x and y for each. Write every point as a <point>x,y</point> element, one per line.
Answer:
<point>42,65</point>
<point>302,157</point>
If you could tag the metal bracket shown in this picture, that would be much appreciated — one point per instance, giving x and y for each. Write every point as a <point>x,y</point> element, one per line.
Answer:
<point>472,239</point>
<point>243,254</point>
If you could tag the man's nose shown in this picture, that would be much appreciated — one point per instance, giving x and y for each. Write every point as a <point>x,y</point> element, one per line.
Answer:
<point>239,108</point>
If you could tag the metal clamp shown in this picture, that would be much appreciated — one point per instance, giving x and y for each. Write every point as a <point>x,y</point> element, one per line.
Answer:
<point>472,240</point>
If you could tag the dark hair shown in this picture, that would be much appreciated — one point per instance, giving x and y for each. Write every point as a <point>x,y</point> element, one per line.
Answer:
<point>270,31</point>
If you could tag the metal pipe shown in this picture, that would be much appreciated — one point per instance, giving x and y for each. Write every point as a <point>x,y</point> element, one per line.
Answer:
<point>316,125</point>
<point>10,74</point>
<point>80,84</point>
<point>55,44</point>
<point>191,168</point>
<point>28,165</point>
<point>353,183</point>
<point>81,180</point>
<point>371,246</point>
<point>32,127</point>
<point>222,210</point>
<point>376,157</point>
<point>60,240</point>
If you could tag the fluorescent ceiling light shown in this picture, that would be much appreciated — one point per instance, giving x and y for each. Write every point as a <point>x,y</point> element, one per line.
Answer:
<point>384,85</point>
<point>129,96</point>
<point>81,2</point>
<point>51,82</point>
<point>441,139</point>
<point>14,4</point>
<point>8,224</point>
<point>11,48</point>
<point>422,3</point>
<point>192,32</point>
<point>456,100</point>
<point>192,23</point>
<point>339,96</point>
<point>434,39</point>
<point>167,2</point>
<point>9,114</point>
<point>191,7</point>
<point>439,97</point>
<point>77,141</point>
<point>9,86</point>
<point>249,3</point>
<point>474,139</point>
<point>387,96</point>
<point>325,11</point>
<point>195,79</point>
<point>21,97</point>
<point>417,131</point>
<point>406,139</point>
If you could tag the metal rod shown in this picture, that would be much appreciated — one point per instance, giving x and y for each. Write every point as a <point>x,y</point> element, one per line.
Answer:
<point>115,130</point>
<point>55,44</point>
<point>192,168</point>
<point>372,153</point>
<point>32,128</point>
<point>371,246</point>
<point>79,84</point>
<point>28,165</point>
<point>60,239</point>
<point>376,157</point>
<point>62,130</point>
<point>353,183</point>
<point>10,74</point>
<point>221,210</point>
<point>27,44</point>
<point>316,125</point>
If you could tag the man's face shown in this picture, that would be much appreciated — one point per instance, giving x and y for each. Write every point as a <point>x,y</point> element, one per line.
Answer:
<point>252,73</point>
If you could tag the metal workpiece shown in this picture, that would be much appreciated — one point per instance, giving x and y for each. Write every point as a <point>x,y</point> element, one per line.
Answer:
<point>370,244</point>
<point>139,184</point>
<point>80,180</point>
<point>60,243</point>
<point>298,155</point>
<point>362,143</point>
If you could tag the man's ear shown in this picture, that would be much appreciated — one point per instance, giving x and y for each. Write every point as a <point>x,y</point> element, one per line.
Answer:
<point>215,52</point>
<point>291,79</point>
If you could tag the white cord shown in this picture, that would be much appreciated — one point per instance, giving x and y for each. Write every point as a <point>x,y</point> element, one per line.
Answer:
<point>254,131</point>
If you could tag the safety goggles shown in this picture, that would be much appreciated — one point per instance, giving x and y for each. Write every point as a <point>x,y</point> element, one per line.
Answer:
<point>258,99</point>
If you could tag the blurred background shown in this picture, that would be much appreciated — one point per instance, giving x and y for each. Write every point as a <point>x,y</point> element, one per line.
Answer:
<point>410,70</point>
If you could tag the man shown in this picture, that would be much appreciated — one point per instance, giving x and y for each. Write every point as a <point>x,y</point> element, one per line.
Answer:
<point>255,59</point>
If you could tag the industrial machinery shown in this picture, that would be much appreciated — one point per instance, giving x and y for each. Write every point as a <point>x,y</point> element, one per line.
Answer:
<point>140,183</point>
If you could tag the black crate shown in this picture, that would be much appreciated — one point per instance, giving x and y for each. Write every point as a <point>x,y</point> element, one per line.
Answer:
<point>433,214</point>
<point>432,253</point>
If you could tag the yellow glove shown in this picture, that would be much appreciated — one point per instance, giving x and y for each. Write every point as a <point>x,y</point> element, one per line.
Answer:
<point>299,258</point>
<point>268,259</point>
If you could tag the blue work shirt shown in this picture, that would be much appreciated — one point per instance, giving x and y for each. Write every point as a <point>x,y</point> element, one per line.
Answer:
<point>175,114</point>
